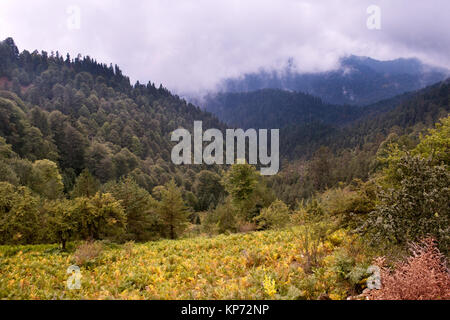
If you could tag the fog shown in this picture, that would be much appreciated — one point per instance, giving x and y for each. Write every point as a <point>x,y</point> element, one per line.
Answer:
<point>191,45</point>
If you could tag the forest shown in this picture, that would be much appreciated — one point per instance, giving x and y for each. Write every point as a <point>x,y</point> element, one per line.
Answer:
<point>86,177</point>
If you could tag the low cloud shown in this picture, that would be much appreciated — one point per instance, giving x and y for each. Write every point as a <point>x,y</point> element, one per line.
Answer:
<point>190,45</point>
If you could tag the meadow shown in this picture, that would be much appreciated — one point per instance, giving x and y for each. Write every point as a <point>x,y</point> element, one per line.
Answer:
<point>258,265</point>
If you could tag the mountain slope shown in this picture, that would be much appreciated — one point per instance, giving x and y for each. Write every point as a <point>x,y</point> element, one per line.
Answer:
<point>407,114</point>
<point>83,114</point>
<point>318,156</point>
<point>357,81</point>
<point>275,108</point>
<point>306,122</point>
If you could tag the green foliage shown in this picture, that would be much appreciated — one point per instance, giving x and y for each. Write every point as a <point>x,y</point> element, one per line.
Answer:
<point>320,169</point>
<point>413,190</point>
<point>20,221</point>
<point>418,206</point>
<point>171,209</point>
<point>226,217</point>
<point>63,222</point>
<point>5,149</point>
<point>86,185</point>
<point>349,270</point>
<point>256,109</point>
<point>436,145</point>
<point>99,217</point>
<point>354,148</point>
<point>240,182</point>
<point>12,120</point>
<point>276,216</point>
<point>248,191</point>
<point>208,189</point>
<point>83,114</point>
<point>7,174</point>
<point>308,211</point>
<point>47,181</point>
<point>143,222</point>
<point>311,238</point>
<point>82,123</point>
<point>350,205</point>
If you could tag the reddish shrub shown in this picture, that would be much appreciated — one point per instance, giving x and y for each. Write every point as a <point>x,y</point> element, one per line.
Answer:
<point>247,227</point>
<point>423,276</point>
<point>87,252</point>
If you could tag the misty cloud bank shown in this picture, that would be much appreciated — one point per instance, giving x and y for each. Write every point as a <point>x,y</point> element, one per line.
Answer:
<point>191,45</point>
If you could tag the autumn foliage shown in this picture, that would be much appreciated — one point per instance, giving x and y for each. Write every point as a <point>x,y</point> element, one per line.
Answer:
<point>423,276</point>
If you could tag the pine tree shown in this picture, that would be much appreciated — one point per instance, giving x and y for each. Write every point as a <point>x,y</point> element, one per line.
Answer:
<point>172,209</point>
<point>140,208</point>
<point>86,185</point>
<point>240,182</point>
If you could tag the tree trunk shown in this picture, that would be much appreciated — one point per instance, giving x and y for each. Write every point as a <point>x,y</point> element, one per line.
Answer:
<point>172,233</point>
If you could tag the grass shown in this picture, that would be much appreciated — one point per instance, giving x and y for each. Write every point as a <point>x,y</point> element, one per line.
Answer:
<point>258,265</point>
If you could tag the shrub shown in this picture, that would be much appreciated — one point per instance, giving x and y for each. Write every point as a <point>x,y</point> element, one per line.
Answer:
<point>276,216</point>
<point>349,271</point>
<point>87,252</point>
<point>437,143</point>
<point>311,239</point>
<point>423,276</point>
<point>128,248</point>
<point>245,227</point>
<point>99,217</point>
<point>307,211</point>
<point>417,207</point>
<point>253,259</point>
<point>20,221</point>
<point>350,205</point>
<point>226,217</point>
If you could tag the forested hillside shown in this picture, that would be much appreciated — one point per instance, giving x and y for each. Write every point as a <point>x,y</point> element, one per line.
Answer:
<point>357,80</point>
<point>319,155</point>
<point>76,137</point>
<point>275,108</point>
<point>85,115</point>
<point>307,123</point>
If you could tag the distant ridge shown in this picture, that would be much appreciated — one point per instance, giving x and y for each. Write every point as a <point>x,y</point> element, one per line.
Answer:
<point>358,80</point>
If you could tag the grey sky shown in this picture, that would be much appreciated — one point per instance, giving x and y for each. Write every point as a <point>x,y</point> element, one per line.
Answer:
<point>190,45</point>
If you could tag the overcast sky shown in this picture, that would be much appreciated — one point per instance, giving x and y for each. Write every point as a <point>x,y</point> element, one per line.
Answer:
<point>190,45</point>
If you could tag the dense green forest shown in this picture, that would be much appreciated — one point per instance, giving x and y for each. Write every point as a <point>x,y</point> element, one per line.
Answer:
<point>85,115</point>
<point>256,109</point>
<point>70,127</point>
<point>307,123</point>
<point>325,144</point>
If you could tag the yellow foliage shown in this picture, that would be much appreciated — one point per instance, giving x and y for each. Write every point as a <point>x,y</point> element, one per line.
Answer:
<point>197,268</point>
<point>269,286</point>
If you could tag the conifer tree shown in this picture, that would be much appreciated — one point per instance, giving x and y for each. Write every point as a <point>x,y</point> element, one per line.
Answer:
<point>172,209</point>
<point>86,185</point>
<point>140,209</point>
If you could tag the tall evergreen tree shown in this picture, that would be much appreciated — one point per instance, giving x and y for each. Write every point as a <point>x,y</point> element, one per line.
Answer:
<point>172,209</point>
<point>140,209</point>
<point>86,185</point>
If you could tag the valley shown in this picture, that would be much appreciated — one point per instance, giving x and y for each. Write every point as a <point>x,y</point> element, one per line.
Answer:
<point>87,179</point>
